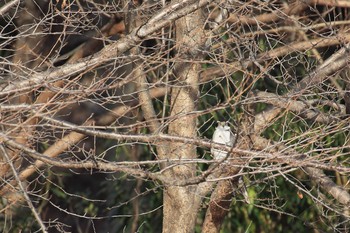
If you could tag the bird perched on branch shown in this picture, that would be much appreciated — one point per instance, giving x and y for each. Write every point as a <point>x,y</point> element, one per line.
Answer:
<point>222,135</point>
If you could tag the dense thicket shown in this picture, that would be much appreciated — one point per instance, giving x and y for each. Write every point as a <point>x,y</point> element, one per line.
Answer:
<point>108,108</point>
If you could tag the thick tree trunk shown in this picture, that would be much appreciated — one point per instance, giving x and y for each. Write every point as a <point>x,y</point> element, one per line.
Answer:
<point>181,204</point>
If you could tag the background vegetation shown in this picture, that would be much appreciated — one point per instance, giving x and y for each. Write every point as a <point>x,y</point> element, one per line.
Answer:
<point>107,110</point>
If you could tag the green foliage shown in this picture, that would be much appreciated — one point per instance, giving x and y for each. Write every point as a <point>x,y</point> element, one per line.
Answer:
<point>24,220</point>
<point>279,203</point>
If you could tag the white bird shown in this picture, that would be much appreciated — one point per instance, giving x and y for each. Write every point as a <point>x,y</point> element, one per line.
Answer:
<point>222,135</point>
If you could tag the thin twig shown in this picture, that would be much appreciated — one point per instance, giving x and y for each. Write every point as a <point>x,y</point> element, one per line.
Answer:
<point>24,192</point>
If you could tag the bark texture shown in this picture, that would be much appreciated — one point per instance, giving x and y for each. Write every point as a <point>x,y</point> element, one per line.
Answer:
<point>181,204</point>
<point>219,206</point>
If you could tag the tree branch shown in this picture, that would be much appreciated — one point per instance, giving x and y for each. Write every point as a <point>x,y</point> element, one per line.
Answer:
<point>227,69</point>
<point>23,191</point>
<point>109,52</point>
<point>8,6</point>
<point>340,194</point>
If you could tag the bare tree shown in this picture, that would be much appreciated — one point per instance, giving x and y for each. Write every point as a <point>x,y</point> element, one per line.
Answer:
<point>108,109</point>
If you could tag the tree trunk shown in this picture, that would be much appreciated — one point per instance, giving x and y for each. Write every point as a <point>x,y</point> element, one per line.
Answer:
<point>181,204</point>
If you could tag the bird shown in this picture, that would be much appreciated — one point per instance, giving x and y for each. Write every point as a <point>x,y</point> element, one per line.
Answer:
<point>222,135</point>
